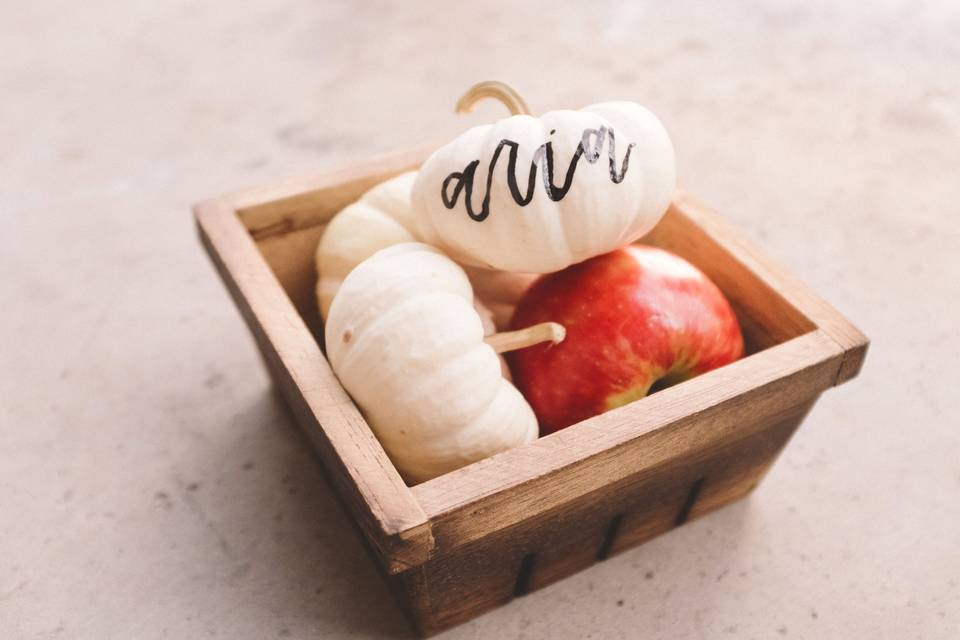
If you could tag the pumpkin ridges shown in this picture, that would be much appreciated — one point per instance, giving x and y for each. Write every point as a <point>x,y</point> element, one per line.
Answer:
<point>371,302</point>
<point>659,173</point>
<point>495,220</point>
<point>380,218</point>
<point>416,364</point>
<point>488,434</point>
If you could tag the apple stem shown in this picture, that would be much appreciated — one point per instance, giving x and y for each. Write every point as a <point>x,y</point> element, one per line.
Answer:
<point>493,89</point>
<point>523,338</point>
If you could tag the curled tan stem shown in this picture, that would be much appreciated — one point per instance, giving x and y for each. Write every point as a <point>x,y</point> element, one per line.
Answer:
<point>493,89</point>
<point>523,338</point>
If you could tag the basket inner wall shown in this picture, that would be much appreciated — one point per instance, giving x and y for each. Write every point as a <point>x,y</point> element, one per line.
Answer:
<point>766,319</point>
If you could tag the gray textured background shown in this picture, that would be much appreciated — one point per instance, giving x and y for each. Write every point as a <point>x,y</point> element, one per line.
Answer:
<point>151,484</point>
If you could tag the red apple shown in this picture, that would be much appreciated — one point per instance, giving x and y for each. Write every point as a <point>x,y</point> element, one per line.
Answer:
<point>637,319</point>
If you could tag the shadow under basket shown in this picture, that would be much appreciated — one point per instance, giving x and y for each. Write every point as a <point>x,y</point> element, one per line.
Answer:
<point>473,539</point>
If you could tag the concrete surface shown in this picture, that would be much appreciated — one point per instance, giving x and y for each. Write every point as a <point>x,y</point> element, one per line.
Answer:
<point>150,483</point>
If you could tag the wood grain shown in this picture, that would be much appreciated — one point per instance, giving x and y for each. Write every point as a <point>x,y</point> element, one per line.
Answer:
<point>306,202</point>
<point>290,257</point>
<point>457,584</point>
<point>383,505</point>
<point>732,255</point>
<point>520,483</point>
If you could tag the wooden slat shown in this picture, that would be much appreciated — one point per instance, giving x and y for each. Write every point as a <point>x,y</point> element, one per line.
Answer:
<point>718,476</point>
<point>766,317</point>
<point>307,202</point>
<point>498,492</point>
<point>379,500</point>
<point>458,584</point>
<point>291,258</point>
<point>723,241</point>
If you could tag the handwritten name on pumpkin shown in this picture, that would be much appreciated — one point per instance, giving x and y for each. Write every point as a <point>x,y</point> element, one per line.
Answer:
<point>589,148</point>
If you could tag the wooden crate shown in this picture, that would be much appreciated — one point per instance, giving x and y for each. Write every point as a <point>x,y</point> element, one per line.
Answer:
<point>471,540</point>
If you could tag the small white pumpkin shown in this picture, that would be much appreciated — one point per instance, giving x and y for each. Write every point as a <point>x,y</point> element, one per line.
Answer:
<point>539,194</point>
<point>405,341</point>
<point>380,218</point>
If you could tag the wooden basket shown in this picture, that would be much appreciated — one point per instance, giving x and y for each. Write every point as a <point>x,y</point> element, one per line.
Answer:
<point>471,540</point>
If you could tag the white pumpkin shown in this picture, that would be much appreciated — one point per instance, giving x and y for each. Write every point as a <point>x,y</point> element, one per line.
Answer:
<point>405,341</point>
<point>383,216</point>
<point>380,218</point>
<point>539,194</point>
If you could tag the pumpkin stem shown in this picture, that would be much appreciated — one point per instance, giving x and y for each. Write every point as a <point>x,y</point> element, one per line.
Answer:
<point>493,89</point>
<point>523,338</point>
